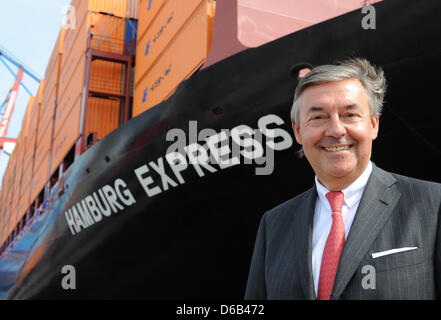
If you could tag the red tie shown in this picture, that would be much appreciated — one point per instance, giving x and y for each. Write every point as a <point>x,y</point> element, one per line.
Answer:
<point>333,247</point>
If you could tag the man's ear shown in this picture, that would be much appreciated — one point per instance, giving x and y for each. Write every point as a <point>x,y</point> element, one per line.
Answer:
<point>296,130</point>
<point>375,126</point>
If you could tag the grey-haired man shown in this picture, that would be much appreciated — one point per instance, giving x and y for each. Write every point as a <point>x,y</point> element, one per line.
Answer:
<point>360,232</point>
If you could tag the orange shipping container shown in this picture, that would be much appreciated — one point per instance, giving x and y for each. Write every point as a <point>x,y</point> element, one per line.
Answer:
<point>26,119</point>
<point>12,169</point>
<point>72,78</point>
<point>14,195</point>
<point>52,75</point>
<point>35,114</point>
<point>132,9</point>
<point>108,36</point>
<point>2,224</point>
<point>69,97</point>
<point>72,55</point>
<point>20,149</point>
<point>26,187</point>
<point>39,176</point>
<point>69,115</point>
<point>74,26</point>
<point>185,54</point>
<point>171,18</point>
<point>147,12</point>
<point>47,106</point>
<point>44,139</point>
<point>106,77</point>
<point>43,145</point>
<point>12,220</point>
<point>21,209</point>
<point>13,212</point>
<point>116,7</point>
<point>211,12</point>
<point>32,134</point>
<point>67,137</point>
<point>108,33</point>
<point>7,210</point>
<point>28,157</point>
<point>102,116</point>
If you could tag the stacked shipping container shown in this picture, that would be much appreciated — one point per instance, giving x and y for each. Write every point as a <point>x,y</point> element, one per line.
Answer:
<point>87,90</point>
<point>173,42</point>
<point>51,128</point>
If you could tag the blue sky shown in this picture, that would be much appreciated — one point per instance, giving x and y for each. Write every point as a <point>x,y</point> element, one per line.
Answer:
<point>28,30</point>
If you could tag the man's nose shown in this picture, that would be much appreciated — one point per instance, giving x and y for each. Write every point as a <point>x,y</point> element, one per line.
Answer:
<point>335,128</point>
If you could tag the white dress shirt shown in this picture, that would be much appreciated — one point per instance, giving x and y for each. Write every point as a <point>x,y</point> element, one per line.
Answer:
<point>323,219</point>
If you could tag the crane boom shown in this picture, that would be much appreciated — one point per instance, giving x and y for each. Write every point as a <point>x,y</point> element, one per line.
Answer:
<point>19,65</point>
<point>4,124</point>
<point>12,95</point>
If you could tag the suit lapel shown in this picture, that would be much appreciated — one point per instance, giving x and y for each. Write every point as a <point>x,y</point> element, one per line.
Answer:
<point>303,242</point>
<point>376,205</point>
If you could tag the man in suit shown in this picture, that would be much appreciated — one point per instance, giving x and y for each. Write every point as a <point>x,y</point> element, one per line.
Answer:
<point>360,232</point>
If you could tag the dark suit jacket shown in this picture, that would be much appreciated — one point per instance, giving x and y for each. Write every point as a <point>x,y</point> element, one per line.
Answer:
<point>394,212</point>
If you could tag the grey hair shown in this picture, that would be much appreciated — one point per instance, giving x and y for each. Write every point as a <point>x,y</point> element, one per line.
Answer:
<point>371,77</point>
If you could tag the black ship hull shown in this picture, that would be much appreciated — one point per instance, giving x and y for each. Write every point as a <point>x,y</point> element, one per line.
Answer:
<point>174,233</point>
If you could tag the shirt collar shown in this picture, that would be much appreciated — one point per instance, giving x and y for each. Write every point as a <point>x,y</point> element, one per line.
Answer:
<point>352,194</point>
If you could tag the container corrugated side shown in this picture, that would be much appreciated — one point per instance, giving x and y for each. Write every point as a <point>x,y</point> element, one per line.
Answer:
<point>46,115</point>
<point>147,12</point>
<point>106,77</point>
<point>70,96</point>
<point>71,31</point>
<point>115,7</point>
<point>7,211</point>
<point>12,161</point>
<point>71,81</point>
<point>28,157</point>
<point>67,136</point>
<point>13,212</point>
<point>22,207</point>
<point>185,54</point>
<point>170,19</point>
<point>74,51</point>
<point>12,218</point>
<point>35,114</point>
<point>51,73</point>
<point>26,119</point>
<point>46,109</point>
<point>39,176</point>
<point>102,116</point>
<point>20,149</point>
<point>3,213</point>
<point>26,187</point>
<point>43,145</point>
<point>132,9</point>
<point>108,33</point>
<point>211,13</point>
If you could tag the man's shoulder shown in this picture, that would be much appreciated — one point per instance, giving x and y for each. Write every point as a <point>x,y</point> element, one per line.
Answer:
<point>290,207</point>
<point>408,184</point>
<point>416,183</point>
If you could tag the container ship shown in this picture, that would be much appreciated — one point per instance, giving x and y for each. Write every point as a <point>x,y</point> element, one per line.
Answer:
<point>160,135</point>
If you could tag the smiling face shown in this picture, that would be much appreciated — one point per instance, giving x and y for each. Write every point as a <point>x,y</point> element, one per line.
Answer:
<point>336,131</point>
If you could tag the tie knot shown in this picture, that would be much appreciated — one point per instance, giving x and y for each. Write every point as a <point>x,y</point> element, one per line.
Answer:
<point>335,199</point>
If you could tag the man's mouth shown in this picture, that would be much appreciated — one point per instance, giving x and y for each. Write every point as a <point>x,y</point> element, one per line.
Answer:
<point>337,148</point>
